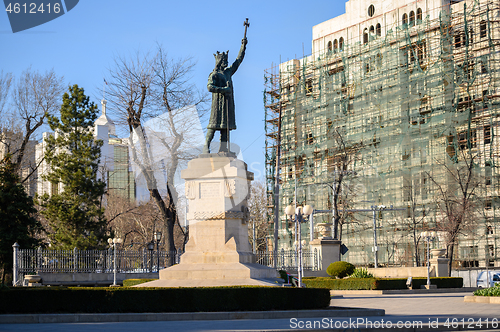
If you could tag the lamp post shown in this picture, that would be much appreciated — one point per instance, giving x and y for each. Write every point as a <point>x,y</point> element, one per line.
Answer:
<point>375,208</point>
<point>428,236</point>
<point>299,213</point>
<point>113,242</point>
<point>157,236</point>
<point>151,247</point>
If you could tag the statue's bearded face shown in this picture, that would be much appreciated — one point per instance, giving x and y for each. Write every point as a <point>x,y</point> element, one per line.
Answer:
<point>221,60</point>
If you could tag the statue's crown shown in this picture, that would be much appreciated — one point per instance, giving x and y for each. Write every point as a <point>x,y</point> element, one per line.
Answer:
<point>220,56</point>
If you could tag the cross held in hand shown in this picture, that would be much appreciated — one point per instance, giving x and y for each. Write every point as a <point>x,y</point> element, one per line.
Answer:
<point>246,24</point>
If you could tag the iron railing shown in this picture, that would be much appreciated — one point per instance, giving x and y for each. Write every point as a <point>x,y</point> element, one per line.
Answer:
<point>30,261</point>
<point>288,259</point>
<point>92,261</point>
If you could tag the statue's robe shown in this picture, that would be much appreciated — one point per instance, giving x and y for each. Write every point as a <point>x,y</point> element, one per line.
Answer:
<point>220,84</point>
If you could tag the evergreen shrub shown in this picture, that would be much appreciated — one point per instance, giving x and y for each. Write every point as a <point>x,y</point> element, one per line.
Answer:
<point>491,291</point>
<point>340,269</point>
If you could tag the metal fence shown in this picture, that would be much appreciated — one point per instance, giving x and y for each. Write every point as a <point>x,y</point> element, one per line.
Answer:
<point>288,259</point>
<point>91,261</point>
<point>30,261</point>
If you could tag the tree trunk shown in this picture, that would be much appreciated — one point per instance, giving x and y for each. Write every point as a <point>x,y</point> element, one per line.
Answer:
<point>3,276</point>
<point>168,213</point>
<point>417,259</point>
<point>449,253</point>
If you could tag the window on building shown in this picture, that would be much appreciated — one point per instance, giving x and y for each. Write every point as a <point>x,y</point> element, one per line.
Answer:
<point>371,10</point>
<point>341,43</point>
<point>487,175</point>
<point>329,46</point>
<point>419,16</point>
<point>405,19</point>
<point>420,53</point>
<point>458,41</point>
<point>487,134</point>
<point>372,30</point>
<point>365,36</point>
<point>482,29</point>
<point>335,46</point>
<point>487,204</point>
<point>412,18</point>
<point>54,188</point>
<point>309,87</point>
<point>378,30</point>
<point>489,230</point>
<point>470,69</point>
<point>310,139</point>
<point>485,99</point>
<point>483,67</point>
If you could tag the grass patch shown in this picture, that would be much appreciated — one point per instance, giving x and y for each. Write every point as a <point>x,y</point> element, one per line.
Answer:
<point>133,282</point>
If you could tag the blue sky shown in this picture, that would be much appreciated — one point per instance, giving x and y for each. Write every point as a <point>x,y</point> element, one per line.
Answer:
<point>82,44</point>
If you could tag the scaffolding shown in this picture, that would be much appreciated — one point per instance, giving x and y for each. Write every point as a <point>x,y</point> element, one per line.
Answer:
<point>405,98</point>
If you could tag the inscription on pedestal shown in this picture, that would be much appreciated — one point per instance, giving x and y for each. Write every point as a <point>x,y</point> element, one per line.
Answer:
<point>209,189</point>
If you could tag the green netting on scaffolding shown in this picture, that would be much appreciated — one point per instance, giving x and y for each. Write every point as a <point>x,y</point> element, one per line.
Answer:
<point>402,103</point>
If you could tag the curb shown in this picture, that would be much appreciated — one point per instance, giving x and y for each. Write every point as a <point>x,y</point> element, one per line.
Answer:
<point>482,299</point>
<point>402,291</point>
<point>333,312</point>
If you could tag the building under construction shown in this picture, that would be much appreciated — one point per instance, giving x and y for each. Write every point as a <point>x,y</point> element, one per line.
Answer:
<point>407,89</point>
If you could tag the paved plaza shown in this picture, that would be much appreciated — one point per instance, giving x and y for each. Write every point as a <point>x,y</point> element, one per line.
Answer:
<point>402,309</point>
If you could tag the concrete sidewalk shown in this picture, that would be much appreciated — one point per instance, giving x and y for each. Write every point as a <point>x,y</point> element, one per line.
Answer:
<point>331,312</point>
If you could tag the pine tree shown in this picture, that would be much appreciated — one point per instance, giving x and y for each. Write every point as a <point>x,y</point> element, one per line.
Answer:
<point>75,215</point>
<point>17,211</point>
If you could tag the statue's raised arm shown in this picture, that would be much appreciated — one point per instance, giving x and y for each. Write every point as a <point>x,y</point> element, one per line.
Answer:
<point>220,84</point>
<point>234,67</point>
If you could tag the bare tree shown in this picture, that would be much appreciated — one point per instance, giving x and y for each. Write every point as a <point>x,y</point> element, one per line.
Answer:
<point>5,83</point>
<point>173,94</point>
<point>144,87</point>
<point>413,222</point>
<point>34,96</point>
<point>456,198</point>
<point>342,159</point>
<point>257,205</point>
<point>135,223</point>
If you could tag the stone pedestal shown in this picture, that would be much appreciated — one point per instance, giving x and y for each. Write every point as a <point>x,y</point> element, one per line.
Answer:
<point>218,252</point>
<point>328,252</point>
<point>439,263</point>
<point>33,280</point>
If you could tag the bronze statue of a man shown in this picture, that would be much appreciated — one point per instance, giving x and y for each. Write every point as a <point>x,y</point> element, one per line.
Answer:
<point>220,84</point>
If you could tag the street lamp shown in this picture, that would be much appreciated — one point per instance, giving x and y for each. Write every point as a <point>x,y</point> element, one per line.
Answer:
<point>428,236</point>
<point>151,247</point>
<point>113,242</point>
<point>299,213</point>
<point>375,208</point>
<point>157,237</point>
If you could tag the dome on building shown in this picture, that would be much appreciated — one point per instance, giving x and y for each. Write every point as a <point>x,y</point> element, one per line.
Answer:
<point>104,120</point>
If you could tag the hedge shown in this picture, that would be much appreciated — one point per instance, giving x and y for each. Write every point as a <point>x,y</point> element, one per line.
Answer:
<point>127,299</point>
<point>133,282</point>
<point>345,284</point>
<point>378,283</point>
